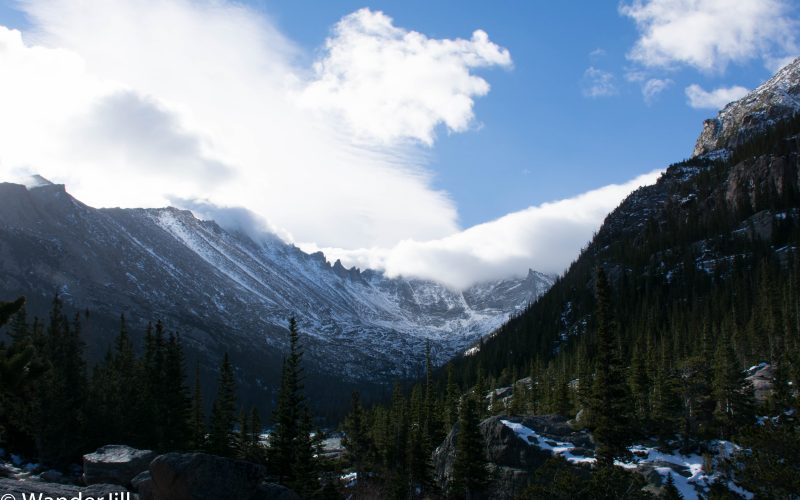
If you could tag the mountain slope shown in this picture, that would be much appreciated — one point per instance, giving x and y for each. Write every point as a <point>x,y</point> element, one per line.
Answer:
<point>772,102</point>
<point>225,291</point>
<point>712,246</point>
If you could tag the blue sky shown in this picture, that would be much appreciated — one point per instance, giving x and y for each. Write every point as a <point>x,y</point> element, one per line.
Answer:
<point>392,135</point>
<point>541,139</point>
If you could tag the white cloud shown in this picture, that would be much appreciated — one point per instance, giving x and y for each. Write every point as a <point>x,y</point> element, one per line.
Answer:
<point>699,98</point>
<point>653,87</point>
<point>545,237</point>
<point>391,84</point>
<point>710,34</point>
<point>598,83</point>
<point>201,104</point>
<point>144,102</point>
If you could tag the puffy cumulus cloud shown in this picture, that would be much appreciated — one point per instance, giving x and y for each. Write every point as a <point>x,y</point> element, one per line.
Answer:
<point>699,98</point>
<point>546,237</point>
<point>598,83</point>
<point>392,84</point>
<point>146,102</point>
<point>654,86</point>
<point>710,34</point>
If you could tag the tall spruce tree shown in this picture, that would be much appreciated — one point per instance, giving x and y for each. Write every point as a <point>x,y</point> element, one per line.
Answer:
<point>610,405</point>
<point>732,392</point>
<point>451,400</point>
<point>356,440</point>
<point>61,420</point>
<point>198,422</point>
<point>470,475</point>
<point>223,412</point>
<point>15,366</point>
<point>291,456</point>
<point>177,403</point>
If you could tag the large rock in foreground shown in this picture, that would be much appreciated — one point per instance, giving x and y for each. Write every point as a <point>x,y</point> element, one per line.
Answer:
<point>115,464</point>
<point>28,489</point>
<point>198,476</point>
<point>512,460</point>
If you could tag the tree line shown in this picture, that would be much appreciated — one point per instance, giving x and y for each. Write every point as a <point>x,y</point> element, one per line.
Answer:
<point>650,332</point>
<point>55,408</point>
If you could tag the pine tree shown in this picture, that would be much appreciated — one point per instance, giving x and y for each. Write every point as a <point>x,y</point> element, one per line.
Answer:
<point>697,377</point>
<point>470,476</point>
<point>255,426</point>
<point>610,402</point>
<point>670,491</point>
<point>781,384</point>
<point>290,448</point>
<point>732,392</point>
<point>17,370</point>
<point>61,419</point>
<point>432,424</point>
<point>640,388</point>
<point>223,412</point>
<point>177,404</point>
<point>451,402</point>
<point>584,393</point>
<point>418,448</point>
<point>198,423</point>
<point>666,405</point>
<point>355,439</point>
<point>561,401</point>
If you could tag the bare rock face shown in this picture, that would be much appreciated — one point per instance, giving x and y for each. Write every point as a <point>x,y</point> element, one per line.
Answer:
<point>775,100</point>
<point>763,174</point>
<point>115,464</point>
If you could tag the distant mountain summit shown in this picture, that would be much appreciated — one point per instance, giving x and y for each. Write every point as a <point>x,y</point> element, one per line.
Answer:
<point>226,291</point>
<point>772,102</point>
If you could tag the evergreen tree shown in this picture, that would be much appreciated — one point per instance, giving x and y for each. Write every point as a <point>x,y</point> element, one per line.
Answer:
<point>667,406</point>
<point>470,476</point>
<point>177,403</point>
<point>355,439</point>
<point>419,446</point>
<point>255,426</point>
<point>197,425</point>
<point>451,401</point>
<point>670,491</point>
<point>732,392</point>
<point>781,398</point>
<point>61,419</point>
<point>290,448</point>
<point>223,412</point>
<point>19,369</point>
<point>610,403</point>
<point>640,388</point>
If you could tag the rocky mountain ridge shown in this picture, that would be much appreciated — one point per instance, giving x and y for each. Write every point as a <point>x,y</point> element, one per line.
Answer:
<point>224,290</point>
<point>773,101</point>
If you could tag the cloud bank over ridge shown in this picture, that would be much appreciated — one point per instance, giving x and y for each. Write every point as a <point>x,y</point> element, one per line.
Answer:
<point>203,104</point>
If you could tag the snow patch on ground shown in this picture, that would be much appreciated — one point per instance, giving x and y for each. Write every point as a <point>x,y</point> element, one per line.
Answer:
<point>687,470</point>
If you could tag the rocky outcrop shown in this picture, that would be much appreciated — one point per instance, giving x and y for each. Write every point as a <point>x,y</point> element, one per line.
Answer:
<point>761,379</point>
<point>18,488</point>
<point>115,464</point>
<point>775,100</point>
<point>762,175</point>
<point>198,476</point>
<point>512,460</point>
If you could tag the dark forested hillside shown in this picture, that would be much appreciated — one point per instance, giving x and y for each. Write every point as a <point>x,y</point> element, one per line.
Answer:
<point>654,334</point>
<point>710,249</point>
